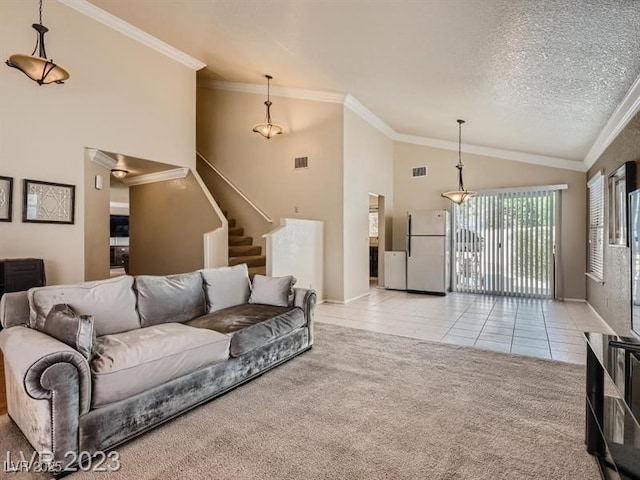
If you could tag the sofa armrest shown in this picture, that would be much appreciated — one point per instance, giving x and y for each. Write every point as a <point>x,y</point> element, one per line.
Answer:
<point>48,388</point>
<point>306,299</point>
<point>14,309</point>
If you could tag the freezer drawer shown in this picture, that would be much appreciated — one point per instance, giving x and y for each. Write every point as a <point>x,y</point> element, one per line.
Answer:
<point>395,277</point>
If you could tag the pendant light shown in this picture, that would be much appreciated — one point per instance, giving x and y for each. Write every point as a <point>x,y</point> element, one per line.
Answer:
<point>39,69</point>
<point>266,128</point>
<point>460,195</point>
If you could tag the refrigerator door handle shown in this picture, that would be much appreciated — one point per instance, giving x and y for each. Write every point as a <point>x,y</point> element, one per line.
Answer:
<point>409,238</point>
<point>409,233</point>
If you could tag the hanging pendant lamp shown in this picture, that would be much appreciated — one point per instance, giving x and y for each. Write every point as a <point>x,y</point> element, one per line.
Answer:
<point>39,69</point>
<point>460,195</point>
<point>268,129</point>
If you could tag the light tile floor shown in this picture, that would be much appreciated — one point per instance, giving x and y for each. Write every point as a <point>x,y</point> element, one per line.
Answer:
<point>539,328</point>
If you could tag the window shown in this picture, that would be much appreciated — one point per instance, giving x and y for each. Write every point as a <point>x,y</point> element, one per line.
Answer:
<point>373,223</point>
<point>596,226</point>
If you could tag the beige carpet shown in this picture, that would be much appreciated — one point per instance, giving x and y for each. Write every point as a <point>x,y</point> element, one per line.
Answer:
<point>362,405</point>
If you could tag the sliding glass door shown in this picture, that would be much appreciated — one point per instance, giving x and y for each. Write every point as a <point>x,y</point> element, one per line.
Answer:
<point>504,243</point>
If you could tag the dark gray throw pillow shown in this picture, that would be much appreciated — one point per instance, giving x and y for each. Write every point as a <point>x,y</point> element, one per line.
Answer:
<point>276,291</point>
<point>64,324</point>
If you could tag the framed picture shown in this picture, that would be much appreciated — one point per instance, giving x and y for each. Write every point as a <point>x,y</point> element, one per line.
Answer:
<point>46,202</point>
<point>6,198</point>
<point>621,184</point>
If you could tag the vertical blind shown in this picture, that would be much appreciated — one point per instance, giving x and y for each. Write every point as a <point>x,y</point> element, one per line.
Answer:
<point>503,243</point>
<point>596,225</point>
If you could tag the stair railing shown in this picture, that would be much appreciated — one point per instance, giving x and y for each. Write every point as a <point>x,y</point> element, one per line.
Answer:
<point>236,189</point>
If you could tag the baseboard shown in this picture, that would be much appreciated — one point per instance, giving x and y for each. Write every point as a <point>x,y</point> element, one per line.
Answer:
<point>344,302</point>
<point>595,312</point>
<point>575,300</point>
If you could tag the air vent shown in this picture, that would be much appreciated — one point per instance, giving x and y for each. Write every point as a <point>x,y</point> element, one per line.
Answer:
<point>419,171</point>
<point>302,162</point>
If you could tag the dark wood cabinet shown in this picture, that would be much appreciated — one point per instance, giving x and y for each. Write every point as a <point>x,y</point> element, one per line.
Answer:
<point>20,274</point>
<point>118,256</point>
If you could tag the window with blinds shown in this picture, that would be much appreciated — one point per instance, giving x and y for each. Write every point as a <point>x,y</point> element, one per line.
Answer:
<point>504,242</point>
<point>596,226</point>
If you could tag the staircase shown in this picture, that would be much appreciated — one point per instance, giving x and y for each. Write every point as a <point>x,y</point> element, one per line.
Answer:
<point>242,250</point>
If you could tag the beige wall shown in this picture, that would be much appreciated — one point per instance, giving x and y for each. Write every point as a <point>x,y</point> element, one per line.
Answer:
<point>613,298</point>
<point>108,103</point>
<point>368,168</point>
<point>263,169</point>
<point>482,172</point>
<point>96,222</point>
<point>119,193</point>
<point>167,222</point>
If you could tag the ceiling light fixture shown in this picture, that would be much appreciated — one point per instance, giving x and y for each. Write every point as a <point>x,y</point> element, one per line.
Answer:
<point>460,195</point>
<point>266,128</point>
<point>39,69</point>
<point>119,173</point>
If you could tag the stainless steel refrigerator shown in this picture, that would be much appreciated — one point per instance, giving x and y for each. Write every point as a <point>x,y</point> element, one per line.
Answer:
<point>428,247</point>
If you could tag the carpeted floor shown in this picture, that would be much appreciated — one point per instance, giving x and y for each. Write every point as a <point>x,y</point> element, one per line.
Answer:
<point>362,405</point>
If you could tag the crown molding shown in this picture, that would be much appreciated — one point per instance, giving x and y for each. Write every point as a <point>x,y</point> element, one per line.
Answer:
<point>119,25</point>
<point>350,102</point>
<point>368,116</point>
<point>555,162</point>
<point>621,116</point>
<point>286,92</point>
<point>101,158</point>
<point>173,174</point>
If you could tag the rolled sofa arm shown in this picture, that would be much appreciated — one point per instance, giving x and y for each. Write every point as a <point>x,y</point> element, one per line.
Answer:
<point>306,299</point>
<point>48,388</point>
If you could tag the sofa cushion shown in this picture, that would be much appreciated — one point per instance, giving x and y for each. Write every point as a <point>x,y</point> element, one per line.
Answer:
<point>226,286</point>
<point>128,363</point>
<point>276,291</point>
<point>111,303</point>
<point>171,298</point>
<point>251,326</point>
<point>75,330</point>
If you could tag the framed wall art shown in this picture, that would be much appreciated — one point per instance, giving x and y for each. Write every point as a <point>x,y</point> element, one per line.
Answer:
<point>6,198</point>
<point>46,202</point>
<point>621,183</point>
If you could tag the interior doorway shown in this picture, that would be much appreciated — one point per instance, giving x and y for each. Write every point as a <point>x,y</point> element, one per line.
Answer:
<point>377,234</point>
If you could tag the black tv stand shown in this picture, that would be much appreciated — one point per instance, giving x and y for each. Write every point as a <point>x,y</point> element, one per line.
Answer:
<point>612,433</point>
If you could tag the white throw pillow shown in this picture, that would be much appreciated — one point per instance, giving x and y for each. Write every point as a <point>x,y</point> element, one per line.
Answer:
<point>226,286</point>
<point>276,291</point>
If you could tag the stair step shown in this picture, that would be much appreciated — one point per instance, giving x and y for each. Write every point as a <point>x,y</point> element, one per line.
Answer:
<point>238,240</point>
<point>250,260</point>
<point>236,231</point>
<point>231,222</point>
<point>257,270</point>
<point>241,250</point>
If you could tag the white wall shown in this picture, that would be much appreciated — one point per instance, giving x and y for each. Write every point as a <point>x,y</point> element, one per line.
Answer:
<point>482,172</point>
<point>368,168</point>
<point>263,169</point>
<point>297,248</point>
<point>121,97</point>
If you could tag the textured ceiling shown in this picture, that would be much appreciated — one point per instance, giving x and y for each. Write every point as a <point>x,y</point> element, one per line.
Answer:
<point>534,76</point>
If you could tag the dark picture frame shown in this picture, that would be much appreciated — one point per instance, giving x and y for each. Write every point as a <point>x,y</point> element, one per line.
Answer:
<point>620,184</point>
<point>6,198</point>
<point>48,202</point>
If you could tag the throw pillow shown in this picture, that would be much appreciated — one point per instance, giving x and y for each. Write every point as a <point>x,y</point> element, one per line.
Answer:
<point>64,324</point>
<point>276,291</point>
<point>226,286</point>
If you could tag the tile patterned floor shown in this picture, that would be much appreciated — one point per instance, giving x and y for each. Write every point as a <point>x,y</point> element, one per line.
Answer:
<point>539,328</point>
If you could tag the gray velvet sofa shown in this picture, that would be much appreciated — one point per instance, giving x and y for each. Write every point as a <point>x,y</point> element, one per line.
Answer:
<point>162,346</point>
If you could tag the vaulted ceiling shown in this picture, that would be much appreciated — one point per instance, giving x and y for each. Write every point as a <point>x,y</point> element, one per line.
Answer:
<point>536,76</point>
